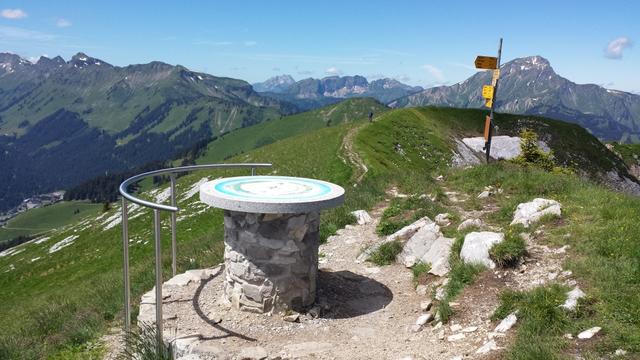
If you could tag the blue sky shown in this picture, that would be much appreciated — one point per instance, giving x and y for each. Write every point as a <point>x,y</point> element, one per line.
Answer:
<point>419,42</point>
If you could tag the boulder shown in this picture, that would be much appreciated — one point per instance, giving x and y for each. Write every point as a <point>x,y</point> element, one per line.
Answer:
<point>400,235</point>
<point>530,212</point>
<point>362,217</point>
<point>475,249</point>
<point>418,244</point>
<point>428,246</point>
<point>502,147</point>
<point>469,223</point>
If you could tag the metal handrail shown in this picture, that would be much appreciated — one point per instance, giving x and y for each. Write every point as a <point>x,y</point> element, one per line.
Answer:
<point>156,220</point>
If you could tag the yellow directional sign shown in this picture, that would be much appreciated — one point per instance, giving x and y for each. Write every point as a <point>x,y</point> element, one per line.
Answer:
<point>487,92</point>
<point>486,62</point>
<point>489,103</point>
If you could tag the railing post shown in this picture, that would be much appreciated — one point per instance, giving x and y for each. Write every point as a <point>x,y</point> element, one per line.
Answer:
<point>253,171</point>
<point>174,245</point>
<point>159,325</point>
<point>125,258</point>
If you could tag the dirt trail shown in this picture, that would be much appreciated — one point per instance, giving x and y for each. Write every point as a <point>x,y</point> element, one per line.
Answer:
<point>348,149</point>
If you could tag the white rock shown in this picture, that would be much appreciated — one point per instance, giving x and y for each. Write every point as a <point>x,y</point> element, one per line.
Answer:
<point>502,147</point>
<point>423,319</point>
<point>475,249</point>
<point>469,223</point>
<point>572,299</point>
<point>418,244</point>
<point>588,334</point>
<point>408,231</point>
<point>401,235</point>
<point>456,337</point>
<point>469,329</point>
<point>483,195</point>
<point>506,323</point>
<point>530,212</point>
<point>455,328</point>
<point>362,217</point>
<point>487,347</point>
<point>428,246</point>
<point>425,305</point>
<point>620,352</point>
<point>443,219</point>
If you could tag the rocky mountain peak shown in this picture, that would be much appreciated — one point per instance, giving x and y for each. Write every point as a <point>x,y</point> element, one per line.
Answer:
<point>81,60</point>
<point>277,84</point>
<point>530,63</point>
<point>47,62</point>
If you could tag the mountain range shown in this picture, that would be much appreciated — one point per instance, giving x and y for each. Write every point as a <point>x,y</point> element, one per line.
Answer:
<point>311,93</point>
<point>63,122</point>
<point>530,86</point>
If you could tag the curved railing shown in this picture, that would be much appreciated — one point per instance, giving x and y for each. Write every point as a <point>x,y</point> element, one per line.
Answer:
<point>156,221</point>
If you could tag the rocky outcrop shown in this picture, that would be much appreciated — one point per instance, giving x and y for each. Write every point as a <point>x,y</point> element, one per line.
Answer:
<point>475,249</point>
<point>502,147</point>
<point>531,212</point>
<point>427,246</point>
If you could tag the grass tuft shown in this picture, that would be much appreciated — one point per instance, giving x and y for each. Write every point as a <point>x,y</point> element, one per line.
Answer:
<point>386,253</point>
<point>460,275</point>
<point>420,271</point>
<point>540,321</point>
<point>509,252</point>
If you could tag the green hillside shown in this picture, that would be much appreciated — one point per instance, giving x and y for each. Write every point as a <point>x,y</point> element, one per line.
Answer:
<point>630,153</point>
<point>42,220</point>
<point>242,140</point>
<point>61,294</point>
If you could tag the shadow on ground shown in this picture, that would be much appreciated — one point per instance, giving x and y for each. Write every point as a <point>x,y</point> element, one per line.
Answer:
<point>348,294</point>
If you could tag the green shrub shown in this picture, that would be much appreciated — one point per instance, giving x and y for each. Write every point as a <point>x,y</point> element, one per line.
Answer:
<point>532,156</point>
<point>386,253</point>
<point>509,252</point>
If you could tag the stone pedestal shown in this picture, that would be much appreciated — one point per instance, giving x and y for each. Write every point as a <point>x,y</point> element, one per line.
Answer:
<point>271,260</point>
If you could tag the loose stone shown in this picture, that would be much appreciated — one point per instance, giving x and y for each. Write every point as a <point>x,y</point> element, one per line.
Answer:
<point>589,333</point>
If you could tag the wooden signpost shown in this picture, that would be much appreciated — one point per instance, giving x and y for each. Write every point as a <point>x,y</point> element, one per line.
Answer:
<point>489,92</point>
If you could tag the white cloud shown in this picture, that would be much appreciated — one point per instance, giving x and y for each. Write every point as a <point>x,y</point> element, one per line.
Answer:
<point>434,72</point>
<point>62,23</point>
<point>13,14</point>
<point>250,43</point>
<point>616,47</point>
<point>333,71</point>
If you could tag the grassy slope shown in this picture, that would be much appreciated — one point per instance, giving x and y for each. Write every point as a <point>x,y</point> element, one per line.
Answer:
<point>243,140</point>
<point>69,297</point>
<point>630,153</point>
<point>50,217</point>
<point>602,230</point>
